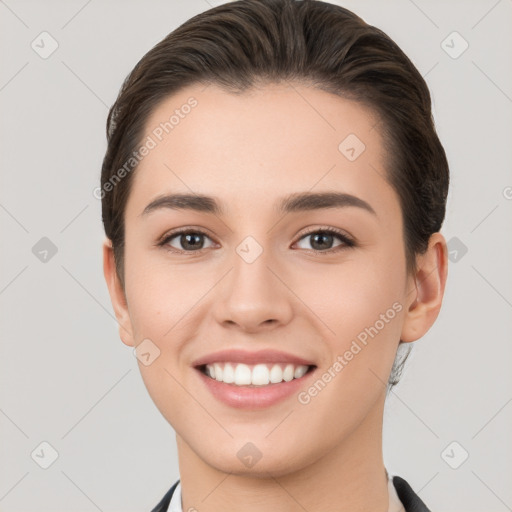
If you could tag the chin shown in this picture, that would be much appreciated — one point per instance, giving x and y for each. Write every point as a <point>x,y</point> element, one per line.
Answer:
<point>257,459</point>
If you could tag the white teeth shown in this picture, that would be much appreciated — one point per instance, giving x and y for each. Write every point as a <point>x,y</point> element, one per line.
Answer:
<point>288,373</point>
<point>299,371</point>
<point>218,371</point>
<point>228,376</point>
<point>242,375</point>
<point>258,375</point>
<point>276,374</point>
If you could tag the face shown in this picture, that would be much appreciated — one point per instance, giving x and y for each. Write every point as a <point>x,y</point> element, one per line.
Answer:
<point>271,283</point>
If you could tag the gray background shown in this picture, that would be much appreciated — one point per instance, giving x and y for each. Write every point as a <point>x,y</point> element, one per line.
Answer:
<point>66,378</point>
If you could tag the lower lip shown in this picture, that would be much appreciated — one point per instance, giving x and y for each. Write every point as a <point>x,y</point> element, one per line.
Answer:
<point>257,397</point>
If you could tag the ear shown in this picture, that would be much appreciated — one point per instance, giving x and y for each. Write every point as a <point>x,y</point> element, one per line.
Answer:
<point>117,295</point>
<point>427,289</point>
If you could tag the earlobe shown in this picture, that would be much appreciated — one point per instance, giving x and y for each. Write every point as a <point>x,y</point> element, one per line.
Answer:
<point>117,295</point>
<point>428,290</point>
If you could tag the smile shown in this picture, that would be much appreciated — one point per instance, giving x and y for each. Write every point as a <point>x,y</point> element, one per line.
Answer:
<point>240,374</point>
<point>254,387</point>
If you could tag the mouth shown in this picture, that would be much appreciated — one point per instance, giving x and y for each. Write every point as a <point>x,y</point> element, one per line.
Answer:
<point>254,375</point>
<point>254,387</point>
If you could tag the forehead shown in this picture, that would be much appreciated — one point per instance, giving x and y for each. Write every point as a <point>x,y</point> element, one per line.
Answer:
<point>268,141</point>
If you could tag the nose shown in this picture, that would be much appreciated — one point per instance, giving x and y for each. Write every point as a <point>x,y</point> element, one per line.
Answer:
<point>253,295</point>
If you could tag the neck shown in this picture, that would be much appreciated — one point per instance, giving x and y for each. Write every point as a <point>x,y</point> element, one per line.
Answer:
<point>351,477</point>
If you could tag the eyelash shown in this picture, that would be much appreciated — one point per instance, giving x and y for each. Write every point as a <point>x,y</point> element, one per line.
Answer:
<point>347,241</point>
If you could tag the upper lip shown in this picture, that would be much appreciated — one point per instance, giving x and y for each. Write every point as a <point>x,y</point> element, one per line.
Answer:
<point>244,356</point>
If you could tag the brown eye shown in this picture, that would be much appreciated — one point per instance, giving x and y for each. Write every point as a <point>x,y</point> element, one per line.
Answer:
<point>186,240</point>
<point>322,240</point>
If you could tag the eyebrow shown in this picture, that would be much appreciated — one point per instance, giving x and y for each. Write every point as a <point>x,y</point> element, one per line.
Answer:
<point>296,202</point>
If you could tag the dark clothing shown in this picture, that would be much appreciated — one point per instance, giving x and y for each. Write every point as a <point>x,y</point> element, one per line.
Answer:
<point>409,499</point>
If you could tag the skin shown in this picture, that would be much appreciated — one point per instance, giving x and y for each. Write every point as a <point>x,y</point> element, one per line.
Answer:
<point>249,151</point>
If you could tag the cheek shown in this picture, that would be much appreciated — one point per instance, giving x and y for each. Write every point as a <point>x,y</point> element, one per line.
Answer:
<point>361,323</point>
<point>349,297</point>
<point>147,303</point>
<point>167,307</point>
<point>361,326</point>
<point>160,301</point>
<point>159,294</point>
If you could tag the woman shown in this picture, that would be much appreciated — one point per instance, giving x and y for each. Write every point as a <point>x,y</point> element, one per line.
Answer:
<point>272,195</point>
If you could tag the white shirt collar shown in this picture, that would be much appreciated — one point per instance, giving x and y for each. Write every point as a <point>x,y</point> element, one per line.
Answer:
<point>175,503</point>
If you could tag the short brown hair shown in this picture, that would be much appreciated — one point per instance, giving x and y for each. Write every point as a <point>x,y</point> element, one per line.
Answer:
<point>247,42</point>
